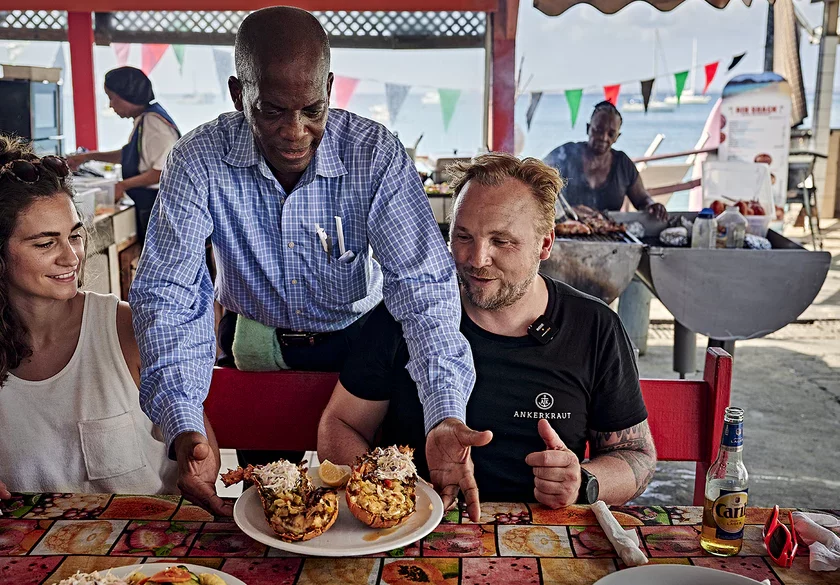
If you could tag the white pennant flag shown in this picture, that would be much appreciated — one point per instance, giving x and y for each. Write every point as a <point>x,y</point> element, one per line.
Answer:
<point>224,68</point>
<point>395,96</point>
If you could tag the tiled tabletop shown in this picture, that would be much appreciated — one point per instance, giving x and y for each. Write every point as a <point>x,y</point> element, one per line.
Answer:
<point>47,537</point>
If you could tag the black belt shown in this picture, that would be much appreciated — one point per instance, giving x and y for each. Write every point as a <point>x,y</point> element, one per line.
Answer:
<point>288,338</point>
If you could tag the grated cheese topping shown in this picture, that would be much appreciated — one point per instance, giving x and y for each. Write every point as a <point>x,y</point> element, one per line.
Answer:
<point>391,463</point>
<point>280,475</point>
<point>94,578</point>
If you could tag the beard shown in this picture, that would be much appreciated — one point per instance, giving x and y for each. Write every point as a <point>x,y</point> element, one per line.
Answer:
<point>507,294</point>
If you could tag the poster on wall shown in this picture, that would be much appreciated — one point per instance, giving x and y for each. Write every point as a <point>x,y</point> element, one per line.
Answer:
<point>755,126</point>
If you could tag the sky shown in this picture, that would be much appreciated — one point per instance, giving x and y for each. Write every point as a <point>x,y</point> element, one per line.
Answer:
<point>582,48</point>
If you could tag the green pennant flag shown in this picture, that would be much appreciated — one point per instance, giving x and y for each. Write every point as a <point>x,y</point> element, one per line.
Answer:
<point>448,100</point>
<point>680,78</point>
<point>573,97</point>
<point>179,55</point>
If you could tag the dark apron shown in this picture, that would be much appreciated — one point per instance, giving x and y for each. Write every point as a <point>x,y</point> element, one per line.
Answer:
<point>143,197</point>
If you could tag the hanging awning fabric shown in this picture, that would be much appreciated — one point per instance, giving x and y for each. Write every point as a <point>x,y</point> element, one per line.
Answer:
<point>557,7</point>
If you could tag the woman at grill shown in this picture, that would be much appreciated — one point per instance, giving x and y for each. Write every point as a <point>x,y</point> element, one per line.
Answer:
<point>153,136</point>
<point>597,175</point>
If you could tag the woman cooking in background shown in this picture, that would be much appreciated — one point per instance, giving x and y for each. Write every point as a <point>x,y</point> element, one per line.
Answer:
<point>598,176</point>
<point>153,136</point>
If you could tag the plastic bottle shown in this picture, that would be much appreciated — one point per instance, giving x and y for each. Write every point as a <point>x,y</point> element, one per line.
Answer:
<point>704,232</point>
<point>731,228</point>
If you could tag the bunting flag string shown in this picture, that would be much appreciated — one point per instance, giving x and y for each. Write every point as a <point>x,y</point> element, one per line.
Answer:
<point>151,56</point>
<point>711,71</point>
<point>448,100</point>
<point>680,79</point>
<point>536,96</point>
<point>735,60</point>
<point>611,93</point>
<point>647,91</point>
<point>121,50</point>
<point>224,68</point>
<point>573,97</point>
<point>395,95</point>
<point>342,90</point>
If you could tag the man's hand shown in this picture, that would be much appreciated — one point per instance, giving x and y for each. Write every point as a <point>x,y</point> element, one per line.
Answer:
<point>658,211</point>
<point>4,493</point>
<point>450,465</point>
<point>198,468</point>
<point>556,470</point>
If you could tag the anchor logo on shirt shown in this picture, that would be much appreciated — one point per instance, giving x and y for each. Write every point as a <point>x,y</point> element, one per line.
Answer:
<point>545,401</point>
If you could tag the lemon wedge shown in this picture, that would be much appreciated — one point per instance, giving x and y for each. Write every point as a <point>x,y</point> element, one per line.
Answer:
<point>333,475</point>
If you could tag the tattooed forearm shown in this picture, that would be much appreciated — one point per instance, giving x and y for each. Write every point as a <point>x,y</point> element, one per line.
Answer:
<point>634,446</point>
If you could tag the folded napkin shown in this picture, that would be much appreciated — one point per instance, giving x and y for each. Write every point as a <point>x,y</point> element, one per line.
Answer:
<point>625,542</point>
<point>824,544</point>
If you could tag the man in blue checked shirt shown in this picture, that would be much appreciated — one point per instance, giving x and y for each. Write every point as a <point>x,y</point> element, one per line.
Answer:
<point>257,181</point>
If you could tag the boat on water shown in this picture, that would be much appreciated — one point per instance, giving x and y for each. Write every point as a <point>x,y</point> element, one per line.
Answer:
<point>689,95</point>
<point>637,105</point>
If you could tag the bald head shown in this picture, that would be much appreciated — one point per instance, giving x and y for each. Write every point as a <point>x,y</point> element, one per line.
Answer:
<point>280,35</point>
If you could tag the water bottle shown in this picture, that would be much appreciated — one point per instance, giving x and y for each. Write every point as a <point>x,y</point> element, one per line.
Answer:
<point>704,232</point>
<point>731,228</point>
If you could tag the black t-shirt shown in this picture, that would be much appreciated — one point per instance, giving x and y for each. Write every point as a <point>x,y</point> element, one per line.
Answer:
<point>584,379</point>
<point>568,160</point>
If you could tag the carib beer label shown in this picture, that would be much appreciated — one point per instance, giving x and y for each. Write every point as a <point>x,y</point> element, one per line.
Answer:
<point>733,434</point>
<point>730,513</point>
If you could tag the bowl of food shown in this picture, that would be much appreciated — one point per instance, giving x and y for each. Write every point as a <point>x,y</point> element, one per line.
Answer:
<point>381,490</point>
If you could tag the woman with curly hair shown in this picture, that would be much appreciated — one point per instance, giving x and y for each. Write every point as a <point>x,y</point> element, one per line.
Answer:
<point>69,364</point>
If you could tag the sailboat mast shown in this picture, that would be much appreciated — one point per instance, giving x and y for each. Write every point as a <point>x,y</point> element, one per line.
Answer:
<point>693,66</point>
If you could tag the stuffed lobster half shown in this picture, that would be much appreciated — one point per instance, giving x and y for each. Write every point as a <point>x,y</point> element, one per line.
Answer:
<point>381,488</point>
<point>295,509</point>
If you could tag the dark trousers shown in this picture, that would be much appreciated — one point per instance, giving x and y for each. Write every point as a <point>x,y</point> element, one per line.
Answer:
<point>144,200</point>
<point>328,355</point>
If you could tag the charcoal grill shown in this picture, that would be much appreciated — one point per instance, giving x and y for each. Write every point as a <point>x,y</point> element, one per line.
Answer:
<point>599,265</point>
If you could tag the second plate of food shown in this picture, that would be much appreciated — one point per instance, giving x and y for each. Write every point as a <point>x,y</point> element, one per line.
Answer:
<point>348,536</point>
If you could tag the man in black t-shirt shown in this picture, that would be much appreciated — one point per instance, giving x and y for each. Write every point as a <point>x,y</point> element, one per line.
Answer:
<point>555,369</point>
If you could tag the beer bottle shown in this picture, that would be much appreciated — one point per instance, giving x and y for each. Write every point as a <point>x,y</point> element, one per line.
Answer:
<point>725,506</point>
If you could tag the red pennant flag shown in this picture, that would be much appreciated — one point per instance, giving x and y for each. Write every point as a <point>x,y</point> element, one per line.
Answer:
<point>342,90</point>
<point>121,50</point>
<point>611,93</point>
<point>711,70</point>
<point>151,56</point>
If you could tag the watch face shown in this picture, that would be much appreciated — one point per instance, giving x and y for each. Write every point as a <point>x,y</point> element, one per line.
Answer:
<point>592,490</point>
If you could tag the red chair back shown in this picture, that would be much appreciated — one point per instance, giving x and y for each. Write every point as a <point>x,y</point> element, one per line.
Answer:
<point>281,410</point>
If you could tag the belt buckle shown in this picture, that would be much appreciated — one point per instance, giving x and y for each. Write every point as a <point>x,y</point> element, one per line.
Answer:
<point>297,339</point>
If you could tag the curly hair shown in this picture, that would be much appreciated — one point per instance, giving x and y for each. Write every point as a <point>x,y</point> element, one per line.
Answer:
<point>15,197</point>
<point>493,168</point>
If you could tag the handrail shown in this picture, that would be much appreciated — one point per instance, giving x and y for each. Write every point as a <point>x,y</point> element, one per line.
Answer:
<point>643,159</point>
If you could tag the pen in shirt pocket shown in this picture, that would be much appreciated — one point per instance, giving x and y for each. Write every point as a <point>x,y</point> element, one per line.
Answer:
<point>345,256</point>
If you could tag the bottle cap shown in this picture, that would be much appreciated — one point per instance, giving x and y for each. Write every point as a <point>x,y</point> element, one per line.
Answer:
<point>706,213</point>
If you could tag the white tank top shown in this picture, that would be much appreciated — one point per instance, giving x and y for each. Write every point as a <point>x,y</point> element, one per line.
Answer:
<point>82,430</point>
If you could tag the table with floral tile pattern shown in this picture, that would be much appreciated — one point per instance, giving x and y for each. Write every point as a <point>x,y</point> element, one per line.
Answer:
<point>47,537</point>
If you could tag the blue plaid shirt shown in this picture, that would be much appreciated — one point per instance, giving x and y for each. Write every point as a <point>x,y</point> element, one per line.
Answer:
<point>272,268</point>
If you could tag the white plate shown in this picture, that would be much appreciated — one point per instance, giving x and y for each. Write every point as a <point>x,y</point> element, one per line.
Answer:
<point>348,536</point>
<point>150,569</point>
<point>673,575</point>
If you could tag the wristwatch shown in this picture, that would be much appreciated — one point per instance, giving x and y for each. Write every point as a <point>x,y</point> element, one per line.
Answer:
<point>589,488</point>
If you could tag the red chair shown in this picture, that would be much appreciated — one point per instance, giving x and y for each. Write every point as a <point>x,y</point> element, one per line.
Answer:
<point>686,416</point>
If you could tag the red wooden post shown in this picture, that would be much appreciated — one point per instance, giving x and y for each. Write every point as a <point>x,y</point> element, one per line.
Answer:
<point>503,82</point>
<point>80,35</point>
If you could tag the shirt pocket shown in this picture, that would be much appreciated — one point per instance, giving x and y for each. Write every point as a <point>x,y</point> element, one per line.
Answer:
<point>110,446</point>
<point>344,283</point>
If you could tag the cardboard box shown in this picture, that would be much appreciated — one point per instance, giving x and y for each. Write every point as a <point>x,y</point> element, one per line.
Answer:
<point>50,74</point>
